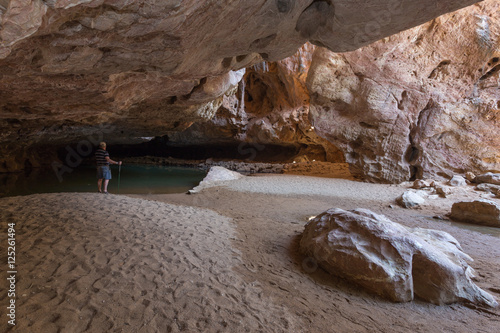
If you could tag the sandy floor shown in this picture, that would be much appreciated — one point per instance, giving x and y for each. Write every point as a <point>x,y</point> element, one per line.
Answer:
<point>222,260</point>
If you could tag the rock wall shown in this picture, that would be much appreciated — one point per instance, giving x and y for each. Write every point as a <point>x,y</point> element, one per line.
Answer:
<point>141,68</point>
<point>422,103</point>
<point>270,108</point>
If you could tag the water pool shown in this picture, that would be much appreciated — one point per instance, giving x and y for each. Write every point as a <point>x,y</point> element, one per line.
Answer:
<point>134,179</point>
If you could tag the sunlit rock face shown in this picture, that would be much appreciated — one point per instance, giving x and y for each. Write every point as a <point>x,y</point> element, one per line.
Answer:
<point>423,103</point>
<point>271,107</point>
<point>145,67</point>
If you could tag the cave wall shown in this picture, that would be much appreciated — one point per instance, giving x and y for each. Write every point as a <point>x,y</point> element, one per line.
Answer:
<point>70,69</point>
<point>270,108</point>
<point>422,103</point>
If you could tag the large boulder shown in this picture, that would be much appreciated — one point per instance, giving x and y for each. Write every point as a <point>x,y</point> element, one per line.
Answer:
<point>489,178</point>
<point>392,260</point>
<point>495,189</point>
<point>485,212</point>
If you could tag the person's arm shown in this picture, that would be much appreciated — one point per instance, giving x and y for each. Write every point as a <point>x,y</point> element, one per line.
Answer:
<point>112,162</point>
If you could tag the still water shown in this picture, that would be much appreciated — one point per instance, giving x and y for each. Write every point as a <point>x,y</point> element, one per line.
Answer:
<point>137,179</point>
<point>492,231</point>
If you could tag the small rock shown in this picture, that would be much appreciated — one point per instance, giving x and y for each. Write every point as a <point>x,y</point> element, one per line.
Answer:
<point>420,183</point>
<point>484,212</point>
<point>489,177</point>
<point>470,176</point>
<point>443,190</point>
<point>410,199</point>
<point>457,181</point>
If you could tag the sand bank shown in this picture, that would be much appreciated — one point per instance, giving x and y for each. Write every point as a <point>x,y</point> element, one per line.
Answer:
<point>222,260</point>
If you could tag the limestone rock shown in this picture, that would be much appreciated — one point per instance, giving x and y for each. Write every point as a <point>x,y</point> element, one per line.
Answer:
<point>411,105</point>
<point>391,260</point>
<point>495,189</point>
<point>443,190</point>
<point>470,176</point>
<point>420,183</point>
<point>218,173</point>
<point>489,177</point>
<point>215,176</point>
<point>337,104</point>
<point>245,167</point>
<point>484,212</point>
<point>457,181</point>
<point>269,109</point>
<point>319,169</point>
<point>410,199</point>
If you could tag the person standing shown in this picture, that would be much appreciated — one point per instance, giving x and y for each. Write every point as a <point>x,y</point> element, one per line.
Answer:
<point>103,171</point>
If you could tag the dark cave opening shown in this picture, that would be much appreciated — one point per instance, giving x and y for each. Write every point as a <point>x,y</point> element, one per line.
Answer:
<point>245,151</point>
<point>162,147</point>
<point>414,173</point>
<point>28,167</point>
<point>411,156</point>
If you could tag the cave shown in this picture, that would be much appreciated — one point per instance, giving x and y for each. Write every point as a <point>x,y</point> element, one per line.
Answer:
<point>250,166</point>
<point>223,151</point>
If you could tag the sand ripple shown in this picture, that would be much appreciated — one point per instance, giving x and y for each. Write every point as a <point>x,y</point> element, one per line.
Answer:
<point>96,263</point>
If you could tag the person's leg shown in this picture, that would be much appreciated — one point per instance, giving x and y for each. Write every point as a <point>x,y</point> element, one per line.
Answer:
<point>107,177</point>
<point>99,182</point>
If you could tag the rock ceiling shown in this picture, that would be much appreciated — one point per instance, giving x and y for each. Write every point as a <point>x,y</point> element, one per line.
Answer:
<point>70,67</point>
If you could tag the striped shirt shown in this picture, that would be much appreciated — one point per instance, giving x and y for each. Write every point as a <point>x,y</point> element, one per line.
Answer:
<point>100,157</point>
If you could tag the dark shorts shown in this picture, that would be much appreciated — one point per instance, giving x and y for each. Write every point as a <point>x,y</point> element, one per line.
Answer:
<point>103,172</point>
